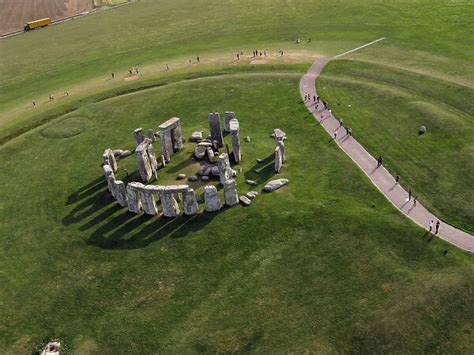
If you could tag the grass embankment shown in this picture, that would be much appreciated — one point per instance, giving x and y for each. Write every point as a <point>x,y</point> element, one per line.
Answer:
<point>325,264</point>
<point>387,107</point>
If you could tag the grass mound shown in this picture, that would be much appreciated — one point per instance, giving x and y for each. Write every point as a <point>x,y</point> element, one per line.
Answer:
<point>66,128</point>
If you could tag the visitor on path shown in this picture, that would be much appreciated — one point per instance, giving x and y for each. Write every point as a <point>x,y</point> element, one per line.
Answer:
<point>409,195</point>
<point>397,179</point>
<point>414,201</point>
<point>318,98</point>
<point>51,97</point>
<point>347,130</point>
<point>309,40</point>
<point>197,59</point>
<point>314,98</point>
<point>437,226</point>
<point>167,67</point>
<point>190,62</point>
<point>136,70</point>
<point>430,225</point>
<point>34,103</point>
<point>238,56</point>
<point>350,132</point>
<point>379,162</point>
<point>335,135</point>
<point>66,93</point>
<point>341,122</point>
<point>130,71</point>
<point>241,52</point>
<point>113,75</point>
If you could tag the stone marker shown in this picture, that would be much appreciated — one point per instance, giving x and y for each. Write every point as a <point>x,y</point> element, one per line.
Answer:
<point>139,137</point>
<point>211,199</point>
<point>225,171</point>
<point>109,159</point>
<point>230,192</point>
<point>227,117</point>
<point>215,128</point>
<point>170,137</point>
<point>245,200</point>
<point>235,133</point>
<point>275,184</point>
<point>134,196</point>
<point>120,193</point>
<point>149,204</point>
<point>190,202</point>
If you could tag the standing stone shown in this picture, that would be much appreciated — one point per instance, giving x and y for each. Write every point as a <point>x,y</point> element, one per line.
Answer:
<point>235,133</point>
<point>120,193</point>
<point>169,204</point>
<point>109,159</point>
<point>190,202</point>
<point>215,128</point>
<point>138,133</point>
<point>109,177</point>
<point>230,193</point>
<point>170,137</point>
<point>279,134</point>
<point>278,159</point>
<point>134,196</point>
<point>228,116</point>
<point>151,135</point>
<point>211,199</point>
<point>210,155</point>
<point>225,171</point>
<point>147,163</point>
<point>149,204</point>
<point>281,145</point>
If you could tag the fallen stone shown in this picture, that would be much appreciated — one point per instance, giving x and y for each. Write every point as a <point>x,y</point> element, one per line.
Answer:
<point>196,137</point>
<point>422,130</point>
<point>251,182</point>
<point>125,154</point>
<point>215,170</point>
<point>181,176</point>
<point>205,178</point>
<point>275,184</point>
<point>245,200</point>
<point>251,194</point>
<point>193,178</point>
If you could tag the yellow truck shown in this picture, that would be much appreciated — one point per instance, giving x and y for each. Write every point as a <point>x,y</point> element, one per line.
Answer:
<point>37,24</point>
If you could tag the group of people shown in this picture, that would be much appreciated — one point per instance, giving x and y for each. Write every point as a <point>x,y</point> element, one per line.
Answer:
<point>50,98</point>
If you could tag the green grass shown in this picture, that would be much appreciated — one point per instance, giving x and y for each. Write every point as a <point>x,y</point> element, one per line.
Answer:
<point>387,107</point>
<point>325,264</point>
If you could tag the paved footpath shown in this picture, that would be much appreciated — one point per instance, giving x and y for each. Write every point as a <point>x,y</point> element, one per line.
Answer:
<point>380,177</point>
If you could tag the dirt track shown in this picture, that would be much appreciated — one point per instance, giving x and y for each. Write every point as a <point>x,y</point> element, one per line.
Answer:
<point>15,13</point>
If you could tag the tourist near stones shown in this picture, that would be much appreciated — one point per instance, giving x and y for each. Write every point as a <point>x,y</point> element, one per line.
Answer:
<point>150,199</point>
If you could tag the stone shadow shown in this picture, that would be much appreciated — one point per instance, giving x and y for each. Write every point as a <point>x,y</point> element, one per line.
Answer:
<point>130,231</point>
<point>86,190</point>
<point>262,172</point>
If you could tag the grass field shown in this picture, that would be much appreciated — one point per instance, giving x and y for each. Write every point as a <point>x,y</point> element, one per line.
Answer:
<point>388,106</point>
<point>324,265</point>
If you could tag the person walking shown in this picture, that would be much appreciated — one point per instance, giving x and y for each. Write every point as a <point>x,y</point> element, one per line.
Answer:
<point>379,162</point>
<point>34,103</point>
<point>430,225</point>
<point>414,201</point>
<point>335,135</point>
<point>350,132</point>
<point>113,75</point>
<point>341,122</point>
<point>409,195</point>
<point>437,226</point>
<point>167,67</point>
<point>397,179</point>
<point>197,58</point>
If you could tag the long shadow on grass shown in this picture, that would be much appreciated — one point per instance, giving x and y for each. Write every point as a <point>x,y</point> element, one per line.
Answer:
<point>88,206</point>
<point>130,231</point>
<point>263,171</point>
<point>86,190</point>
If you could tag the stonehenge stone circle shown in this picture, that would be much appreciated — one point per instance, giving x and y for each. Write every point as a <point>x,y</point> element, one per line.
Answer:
<point>149,204</point>
<point>170,137</point>
<point>215,128</point>
<point>120,193</point>
<point>211,199</point>
<point>278,159</point>
<point>109,176</point>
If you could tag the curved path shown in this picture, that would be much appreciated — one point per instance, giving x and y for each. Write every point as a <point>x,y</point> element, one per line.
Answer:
<point>380,177</point>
